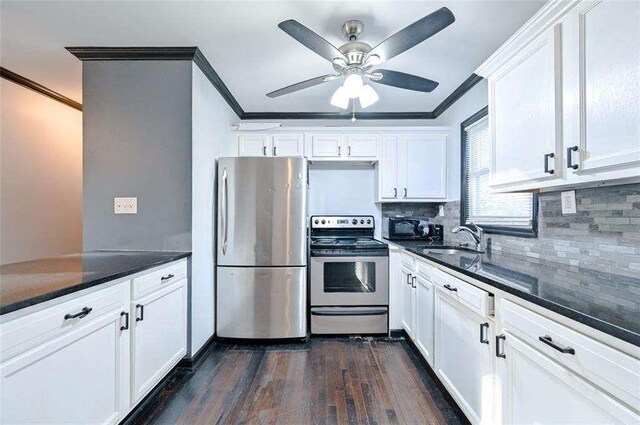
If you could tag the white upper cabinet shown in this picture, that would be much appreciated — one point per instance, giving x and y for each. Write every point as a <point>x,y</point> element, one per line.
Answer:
<point>290,144</point>
<point>286,144</point>
<point>423,167</point>
<point>325,146</point>
<point>602,90</point>
<point>362,146</point>
<point>564,97</point>
<point>388,174</point>
<point>254,145</point>
<point>525,114</point>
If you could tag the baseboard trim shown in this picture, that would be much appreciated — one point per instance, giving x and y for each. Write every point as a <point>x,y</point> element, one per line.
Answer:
<point>192,363</point>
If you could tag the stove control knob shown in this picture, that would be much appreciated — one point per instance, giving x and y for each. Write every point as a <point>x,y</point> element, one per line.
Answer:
<point>317,221</point>
<point>361,221</point>
<point>369,221</point>
<point>323,222</point>
<point>354,221</point>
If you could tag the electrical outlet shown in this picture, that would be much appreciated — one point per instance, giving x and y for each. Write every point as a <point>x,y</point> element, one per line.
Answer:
<point>568,200</point>
<point>125,205</point>
<point>441,211</point>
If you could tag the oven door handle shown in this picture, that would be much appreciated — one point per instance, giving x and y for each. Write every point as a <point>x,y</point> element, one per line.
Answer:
<point>359,312</point>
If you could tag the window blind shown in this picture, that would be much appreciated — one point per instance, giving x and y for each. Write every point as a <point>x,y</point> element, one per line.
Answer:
<point>483,206</point>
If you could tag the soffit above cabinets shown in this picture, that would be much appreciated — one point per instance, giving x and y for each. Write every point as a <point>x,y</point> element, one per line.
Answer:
<point>251,54</point>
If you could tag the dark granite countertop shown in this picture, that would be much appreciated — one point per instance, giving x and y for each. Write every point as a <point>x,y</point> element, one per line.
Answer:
<point>603,301</point>
<point>32,282</point>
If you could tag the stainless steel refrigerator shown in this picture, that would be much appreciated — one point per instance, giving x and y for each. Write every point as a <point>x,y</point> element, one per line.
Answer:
<point>261,289</point>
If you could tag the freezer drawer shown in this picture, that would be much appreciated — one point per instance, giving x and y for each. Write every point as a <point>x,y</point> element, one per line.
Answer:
<point>349,320</point>
<point>261,302</point>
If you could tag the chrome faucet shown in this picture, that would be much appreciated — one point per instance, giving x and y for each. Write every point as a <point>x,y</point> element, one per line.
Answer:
<point>474,230</point>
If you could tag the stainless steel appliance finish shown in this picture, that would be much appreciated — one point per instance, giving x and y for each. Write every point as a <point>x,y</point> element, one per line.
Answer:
<point>349,276</point>
<point>262,302</point>
<point>262,210</point>
<point>262,248</point>
<point>410,228</point>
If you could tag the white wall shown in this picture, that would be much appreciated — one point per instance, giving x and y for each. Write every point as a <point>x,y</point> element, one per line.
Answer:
<point>211,139</point>
<point>472,101</point>
<point>336,189</point>
<point>41,176</point>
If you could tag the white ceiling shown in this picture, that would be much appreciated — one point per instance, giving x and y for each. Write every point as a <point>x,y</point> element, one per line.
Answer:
<point>247,49</point>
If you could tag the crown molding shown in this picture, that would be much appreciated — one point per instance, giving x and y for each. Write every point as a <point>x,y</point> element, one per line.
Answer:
<point>194,54</point>
<point>39,88</point>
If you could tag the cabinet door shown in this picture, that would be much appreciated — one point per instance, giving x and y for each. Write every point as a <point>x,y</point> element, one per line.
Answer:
<point>254,145</point>
<point>424,317</point>
<point>407,300</point>
<point>463,362</point>
<point>603,87</point>
<point>80,377</point>
<point>288,145</point>
<point>388,168</point>
<point>424,167</point>
<point>535,389</point>
<point>525,115</point>
<point>395,290</point>
<point>362,146</point>
<point>159,336</point>
<point>326,146</point>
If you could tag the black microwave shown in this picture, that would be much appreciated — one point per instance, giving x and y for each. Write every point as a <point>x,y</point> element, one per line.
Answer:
<point>408,228</point>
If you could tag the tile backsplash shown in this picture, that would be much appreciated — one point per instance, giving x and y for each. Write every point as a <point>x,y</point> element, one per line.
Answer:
<point>603,235</point>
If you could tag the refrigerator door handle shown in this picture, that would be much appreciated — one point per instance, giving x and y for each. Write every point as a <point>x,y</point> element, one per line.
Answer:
<point>225,208</point>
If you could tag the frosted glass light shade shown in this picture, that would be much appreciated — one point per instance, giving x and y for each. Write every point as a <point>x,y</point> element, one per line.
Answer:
<point>353,85</point>
<point>340,98</point>
<point>368,96</point>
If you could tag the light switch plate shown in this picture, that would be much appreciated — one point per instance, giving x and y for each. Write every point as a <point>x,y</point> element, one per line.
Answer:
<point>125,205</point>
<point>568,202</point>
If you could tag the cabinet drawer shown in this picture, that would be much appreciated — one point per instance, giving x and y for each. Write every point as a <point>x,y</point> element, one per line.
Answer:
<point>424,270</point>
<point>159,278</point>
<point>612,370</point>
<point>406,260</point>
<point>34,329</point>
<point>477,300</point>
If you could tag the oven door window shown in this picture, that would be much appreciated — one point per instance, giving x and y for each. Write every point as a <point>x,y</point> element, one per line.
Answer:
<point>350,277</point>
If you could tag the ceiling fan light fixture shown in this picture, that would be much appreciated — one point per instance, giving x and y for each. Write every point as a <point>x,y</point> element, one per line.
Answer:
<point>368,96</point>
<point>353,85</point>
<point>340,98</point>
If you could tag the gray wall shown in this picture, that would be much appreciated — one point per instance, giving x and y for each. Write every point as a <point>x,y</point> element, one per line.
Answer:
<point>603,235</point>
<point>137,142</point>
<point>40,175</point>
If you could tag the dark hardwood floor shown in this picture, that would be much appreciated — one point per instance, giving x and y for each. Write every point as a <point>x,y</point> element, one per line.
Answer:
<point>323,381</point>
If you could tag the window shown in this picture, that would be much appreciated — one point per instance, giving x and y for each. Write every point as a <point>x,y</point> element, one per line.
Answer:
<point>501,213</point>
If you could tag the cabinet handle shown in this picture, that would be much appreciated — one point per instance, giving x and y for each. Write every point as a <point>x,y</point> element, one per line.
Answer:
<point>405,192</point>
<point>79,315</point>
<point>395,192</point>
<point>565,350</point>
<point>274,150</point>
<point>349,150</point>
<point>339,150</point>
<point>141,318</point>
<point>450,288</point>
<point>126,321</point>
<point>264,150</point>
<point>413,282</point>
<point>167,277</point>
<point>409,279</point>
<point>546,163</point>
<point>570,163</point>
<point>500,346</point>
<point>484,337</point>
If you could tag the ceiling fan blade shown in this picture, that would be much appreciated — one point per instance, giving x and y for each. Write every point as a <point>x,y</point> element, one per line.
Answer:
<point>303,85</point>
<point>414,34</point>
<point>404,81</point>
<point>311,40</point>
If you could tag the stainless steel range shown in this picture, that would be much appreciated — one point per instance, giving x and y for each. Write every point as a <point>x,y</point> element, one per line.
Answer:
<point>349,289</point>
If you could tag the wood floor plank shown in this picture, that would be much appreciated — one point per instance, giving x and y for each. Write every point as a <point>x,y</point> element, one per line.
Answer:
<point>324,381</point>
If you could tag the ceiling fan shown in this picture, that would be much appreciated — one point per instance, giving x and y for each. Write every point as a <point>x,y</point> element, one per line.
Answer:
<point>355,60</point>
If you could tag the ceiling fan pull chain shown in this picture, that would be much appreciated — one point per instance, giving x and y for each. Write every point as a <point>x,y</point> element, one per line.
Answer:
<point>353,111</point>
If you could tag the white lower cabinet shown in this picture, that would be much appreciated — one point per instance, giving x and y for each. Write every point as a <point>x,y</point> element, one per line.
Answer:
<point>424,315</point>
<point>536,389</point>
<point>159,335</point>
<point>85,359</point>
<point>80,375</point>
<point>407,300</point>
<point>463,357</point>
